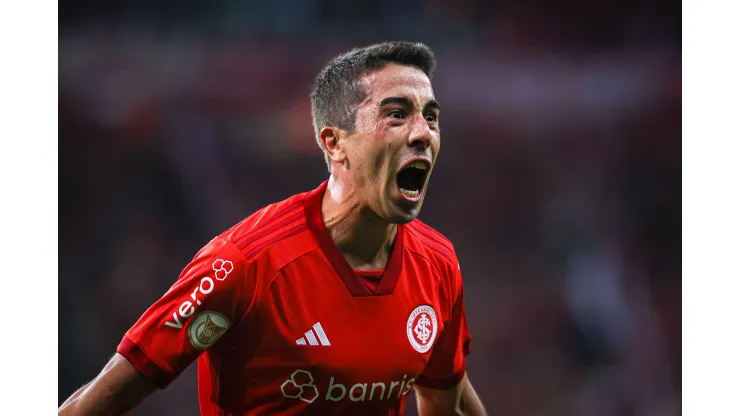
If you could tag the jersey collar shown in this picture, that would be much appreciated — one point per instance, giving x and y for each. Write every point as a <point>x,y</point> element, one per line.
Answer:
<point>315,221</point>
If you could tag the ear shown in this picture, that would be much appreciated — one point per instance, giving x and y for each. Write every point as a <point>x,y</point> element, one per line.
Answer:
<point>330,137</point>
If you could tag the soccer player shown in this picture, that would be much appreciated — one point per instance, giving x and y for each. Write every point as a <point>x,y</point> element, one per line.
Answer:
<point>333,301</point>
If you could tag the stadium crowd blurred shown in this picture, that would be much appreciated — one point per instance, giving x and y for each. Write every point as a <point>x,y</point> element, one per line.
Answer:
<point>559,179</point>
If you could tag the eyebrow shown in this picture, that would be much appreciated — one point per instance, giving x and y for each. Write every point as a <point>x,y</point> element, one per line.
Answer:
<point>431,104</point>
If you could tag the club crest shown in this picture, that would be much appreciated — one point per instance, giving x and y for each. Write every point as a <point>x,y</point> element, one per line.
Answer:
<point>421,328</point>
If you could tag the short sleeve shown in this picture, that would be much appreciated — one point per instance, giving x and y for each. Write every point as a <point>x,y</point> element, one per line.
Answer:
<point>212,295</point>
<point>446,366</point>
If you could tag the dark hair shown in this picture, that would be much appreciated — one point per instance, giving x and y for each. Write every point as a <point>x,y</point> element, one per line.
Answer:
<point>337,92</point>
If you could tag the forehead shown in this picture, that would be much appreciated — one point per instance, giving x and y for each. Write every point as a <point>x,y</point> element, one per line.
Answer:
<point>395,80</point>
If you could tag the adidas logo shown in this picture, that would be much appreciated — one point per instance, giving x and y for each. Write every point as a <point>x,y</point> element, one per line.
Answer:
<point>312,338</point>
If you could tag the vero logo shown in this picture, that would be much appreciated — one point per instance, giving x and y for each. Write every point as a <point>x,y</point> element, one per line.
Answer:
<point>323,340</point>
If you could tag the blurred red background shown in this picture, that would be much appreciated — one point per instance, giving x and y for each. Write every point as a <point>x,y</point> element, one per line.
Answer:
<point>559,178</point>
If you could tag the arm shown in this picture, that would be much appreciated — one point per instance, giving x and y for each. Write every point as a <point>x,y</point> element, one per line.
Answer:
<point>165,340</point>
<point>459,400</point>
<point>115,391</point>
<point>443,388</point>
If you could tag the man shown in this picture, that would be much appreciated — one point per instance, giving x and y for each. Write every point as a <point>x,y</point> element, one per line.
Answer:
<point>334,301</point>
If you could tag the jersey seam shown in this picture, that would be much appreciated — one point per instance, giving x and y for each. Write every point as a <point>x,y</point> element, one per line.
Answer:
<point>433,234</point>
<point>276,217</point>
<point>246,267</point>
<point>170,376</point>
<point>450,285</point>
<point>289,232</point>
<point>258,302</point>
<point>438,246</point>
<point>442,383</point>
<point>441,238</point>
<point>448,260</point>
<point>256,237</point>
<point>422,255</point>
<point>274,276</point>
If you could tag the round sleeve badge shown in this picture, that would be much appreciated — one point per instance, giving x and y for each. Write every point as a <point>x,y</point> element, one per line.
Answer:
<point>207,328</point>
<point>421,328</point>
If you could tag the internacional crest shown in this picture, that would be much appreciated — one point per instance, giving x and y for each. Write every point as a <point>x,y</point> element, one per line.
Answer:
<point>421,328</point>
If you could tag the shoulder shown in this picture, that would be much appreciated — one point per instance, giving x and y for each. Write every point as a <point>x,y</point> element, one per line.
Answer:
<point>277,232</point>
<point>240,263</point>
<point>424,240</point>
<point>267,224</point>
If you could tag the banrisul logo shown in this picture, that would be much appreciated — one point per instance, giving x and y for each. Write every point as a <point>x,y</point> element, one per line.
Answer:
<point>300,385</point>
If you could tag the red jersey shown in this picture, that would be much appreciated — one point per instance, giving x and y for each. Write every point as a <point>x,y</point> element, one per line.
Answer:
<point>281,324</point>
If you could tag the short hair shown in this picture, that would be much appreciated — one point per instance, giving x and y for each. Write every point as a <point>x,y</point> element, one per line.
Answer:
<point>337,92</point>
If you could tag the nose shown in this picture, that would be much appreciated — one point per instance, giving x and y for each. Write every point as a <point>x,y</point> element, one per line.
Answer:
<point>421,135</point>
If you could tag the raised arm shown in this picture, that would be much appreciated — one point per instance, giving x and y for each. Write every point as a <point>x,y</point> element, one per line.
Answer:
<point>115,391</point>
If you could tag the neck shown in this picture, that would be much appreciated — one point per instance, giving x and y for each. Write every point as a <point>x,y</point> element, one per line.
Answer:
<point>362,237</point>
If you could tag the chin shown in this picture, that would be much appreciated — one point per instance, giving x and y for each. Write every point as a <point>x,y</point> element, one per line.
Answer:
<point>402,220</point>
<point>400,215</point>
<point>399,210</point>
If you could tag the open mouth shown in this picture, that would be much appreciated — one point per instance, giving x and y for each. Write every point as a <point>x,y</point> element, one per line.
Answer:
<point>411,179</point>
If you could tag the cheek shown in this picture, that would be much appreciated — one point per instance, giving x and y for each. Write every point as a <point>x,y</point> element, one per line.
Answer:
<point>367,159</point>
<point>373,159</point>
<point>436,143</point>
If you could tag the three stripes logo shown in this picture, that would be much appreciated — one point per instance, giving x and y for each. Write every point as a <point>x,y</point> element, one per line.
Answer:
<point>312,341</point>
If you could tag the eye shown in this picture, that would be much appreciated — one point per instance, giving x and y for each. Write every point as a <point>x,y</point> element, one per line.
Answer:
<point>431,117</point>
<point>397,114</point>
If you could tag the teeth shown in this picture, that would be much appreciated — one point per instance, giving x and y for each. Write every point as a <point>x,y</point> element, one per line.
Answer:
<point>419,165</point>
<point>409,194</point>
